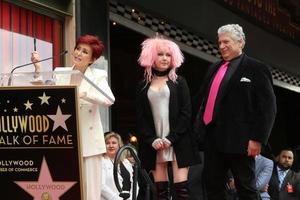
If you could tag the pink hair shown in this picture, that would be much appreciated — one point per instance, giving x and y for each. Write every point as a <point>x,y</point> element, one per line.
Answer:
<point>149,55</point>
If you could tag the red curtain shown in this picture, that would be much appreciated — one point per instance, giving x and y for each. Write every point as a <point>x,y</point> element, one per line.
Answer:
<point>20,20</point>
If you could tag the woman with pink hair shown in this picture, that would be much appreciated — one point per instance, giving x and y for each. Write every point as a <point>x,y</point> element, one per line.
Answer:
<point>163,117</point>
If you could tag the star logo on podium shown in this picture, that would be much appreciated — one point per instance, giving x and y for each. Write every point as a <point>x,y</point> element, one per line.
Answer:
<point>28,105</point>
<point>45,186</point>
<point>59,119</point>
<point>44,99</point>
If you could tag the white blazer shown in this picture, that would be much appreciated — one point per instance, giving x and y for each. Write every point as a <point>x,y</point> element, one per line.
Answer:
<point>91,131</point>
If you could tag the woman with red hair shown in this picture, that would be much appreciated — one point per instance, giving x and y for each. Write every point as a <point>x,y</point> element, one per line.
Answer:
<point>88,48</point>
<point>163,114</point>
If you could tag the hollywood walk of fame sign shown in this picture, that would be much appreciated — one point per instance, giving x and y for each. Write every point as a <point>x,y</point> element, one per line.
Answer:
<point>39,144</point>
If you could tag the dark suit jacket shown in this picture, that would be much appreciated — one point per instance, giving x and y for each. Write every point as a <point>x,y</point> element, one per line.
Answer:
<point>281,194</point>
<point>179,120</point>
<point>245,109</point>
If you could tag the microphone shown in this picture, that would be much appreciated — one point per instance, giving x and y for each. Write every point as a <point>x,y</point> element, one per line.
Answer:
<point>17,67</point>
<point>20,66</point>
<point>34,44</point>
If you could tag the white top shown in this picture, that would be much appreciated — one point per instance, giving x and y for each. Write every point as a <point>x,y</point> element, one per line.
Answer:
<point>159,102</point>
<point>109,190</point>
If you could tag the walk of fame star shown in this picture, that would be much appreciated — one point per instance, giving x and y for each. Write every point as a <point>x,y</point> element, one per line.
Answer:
<point>45,185</point>
<point>59,119</point>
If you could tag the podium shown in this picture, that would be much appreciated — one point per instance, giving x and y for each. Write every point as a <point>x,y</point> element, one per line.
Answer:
<point>40,154</point>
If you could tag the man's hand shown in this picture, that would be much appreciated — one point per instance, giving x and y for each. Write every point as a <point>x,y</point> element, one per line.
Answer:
<point>266,188</point>
<point>231,184</point>
<point>254,148</point>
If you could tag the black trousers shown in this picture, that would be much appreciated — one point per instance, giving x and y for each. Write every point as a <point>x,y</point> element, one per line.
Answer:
<point>216,166</point>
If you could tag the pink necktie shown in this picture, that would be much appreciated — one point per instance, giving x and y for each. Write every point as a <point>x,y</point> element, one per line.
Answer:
<point>209,108</point>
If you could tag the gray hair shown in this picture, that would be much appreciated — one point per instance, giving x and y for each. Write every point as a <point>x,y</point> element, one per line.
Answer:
<point>235,30</point>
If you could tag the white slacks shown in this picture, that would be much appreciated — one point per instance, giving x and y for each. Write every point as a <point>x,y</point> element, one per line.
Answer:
<point>92,177</point>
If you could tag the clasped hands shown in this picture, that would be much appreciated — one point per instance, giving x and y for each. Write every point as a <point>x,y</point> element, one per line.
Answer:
<point>161,143</point>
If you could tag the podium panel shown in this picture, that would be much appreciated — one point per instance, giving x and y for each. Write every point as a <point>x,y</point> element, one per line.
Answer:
<point>40,154</point>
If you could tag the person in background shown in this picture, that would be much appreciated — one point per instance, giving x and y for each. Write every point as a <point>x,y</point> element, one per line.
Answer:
<point>284,183</point>
<point>236,115</point>
<point>109,191</point>
<point>88,48</point>
<point>231,193</point>
<point>163,117</point>
<point>263,173</point>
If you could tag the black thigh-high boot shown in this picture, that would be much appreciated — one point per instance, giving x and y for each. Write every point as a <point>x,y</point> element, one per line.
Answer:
<point>162,189</point>
<point>181,190</point>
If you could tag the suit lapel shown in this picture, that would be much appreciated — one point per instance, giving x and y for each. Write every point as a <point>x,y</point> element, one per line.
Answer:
<point>209,78</point>
<point>226,86</point>
<point>84,86</point>
<point>274,178</point>
<point>286,179</point>
<point>235,77</point>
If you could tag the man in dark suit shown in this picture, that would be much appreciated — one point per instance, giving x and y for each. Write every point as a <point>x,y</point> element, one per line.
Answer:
<point>284,183</point>
<point>236,115</point>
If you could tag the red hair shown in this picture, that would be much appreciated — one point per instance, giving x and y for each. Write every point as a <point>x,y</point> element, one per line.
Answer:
<point>96,45</point>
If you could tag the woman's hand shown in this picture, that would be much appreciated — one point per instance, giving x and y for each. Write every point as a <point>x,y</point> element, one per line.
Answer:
<point>158,144</point>
<point>82,94</point>
<point>35,57</point>
<point>167,143</point>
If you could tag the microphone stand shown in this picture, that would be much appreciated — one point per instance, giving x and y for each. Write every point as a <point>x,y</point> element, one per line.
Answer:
<point>20,66</point>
